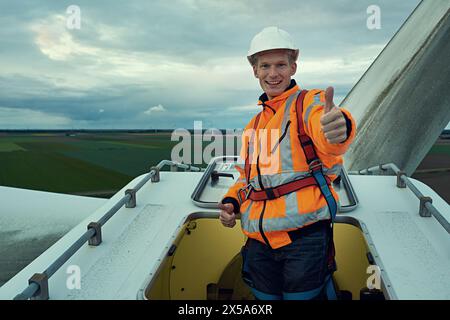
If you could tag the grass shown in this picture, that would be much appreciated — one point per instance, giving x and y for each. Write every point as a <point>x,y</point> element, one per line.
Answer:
<point>84,163</point>
<point>8,146</point>
<point>51,171</point>
<point>88,162</point>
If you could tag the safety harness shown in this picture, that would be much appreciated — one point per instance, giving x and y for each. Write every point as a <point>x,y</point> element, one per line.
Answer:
<point>316,176</point>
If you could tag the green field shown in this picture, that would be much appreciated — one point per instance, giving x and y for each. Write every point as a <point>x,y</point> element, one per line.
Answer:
<point>85,163</point>
<point>89,163</point>
<point>7,146</point>
<point>80,163</point>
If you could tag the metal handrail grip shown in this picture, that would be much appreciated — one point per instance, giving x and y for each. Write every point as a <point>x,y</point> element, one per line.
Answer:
<point>437,215</point>
<point>114,209</point>
<point>160,166</point>
<point>145,180</point>
<point>73,248</point>
<point>28,292</point>
<point>179,165</point>
<point>69,253</point>
<point>32,288</point>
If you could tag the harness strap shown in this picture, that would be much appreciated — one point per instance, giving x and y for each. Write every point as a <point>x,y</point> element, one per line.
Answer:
<point>323,184</point>
<point>248,158</point>
<point>315,165</point>
<point>305,140</point>
<point>281,190</point>
<point>313,160</point>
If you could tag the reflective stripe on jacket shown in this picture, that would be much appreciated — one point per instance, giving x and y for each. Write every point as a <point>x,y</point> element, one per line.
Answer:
<point>278,158</point>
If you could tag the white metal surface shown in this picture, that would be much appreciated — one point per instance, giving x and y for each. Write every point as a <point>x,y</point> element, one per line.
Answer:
<point>134,242</point>
<point>34,220</point>
<point>414,251</point>
<point>39,213</point>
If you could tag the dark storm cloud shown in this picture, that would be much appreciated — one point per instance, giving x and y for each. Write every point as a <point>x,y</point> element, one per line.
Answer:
<point>186,56</point>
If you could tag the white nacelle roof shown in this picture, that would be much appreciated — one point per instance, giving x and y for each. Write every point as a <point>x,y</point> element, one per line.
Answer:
<point>412,251</point>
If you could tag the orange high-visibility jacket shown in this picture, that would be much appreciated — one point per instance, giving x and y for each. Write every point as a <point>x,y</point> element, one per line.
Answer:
<point>277,158</point>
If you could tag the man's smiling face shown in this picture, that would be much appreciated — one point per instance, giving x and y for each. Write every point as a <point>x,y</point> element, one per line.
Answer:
<point>274,71</point>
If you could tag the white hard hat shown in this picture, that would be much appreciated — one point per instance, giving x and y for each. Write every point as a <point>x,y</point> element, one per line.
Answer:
<point>271,38</point>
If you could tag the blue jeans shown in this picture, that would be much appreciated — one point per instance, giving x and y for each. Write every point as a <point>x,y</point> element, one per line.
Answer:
<point>299,270</point>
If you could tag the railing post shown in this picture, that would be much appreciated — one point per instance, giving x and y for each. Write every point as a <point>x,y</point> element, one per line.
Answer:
<point>155,177</point>
<point>41,280</point>
<point>96,239</point>
<point>423,211</point>
<point>400,182</point>
<point>132,202</point>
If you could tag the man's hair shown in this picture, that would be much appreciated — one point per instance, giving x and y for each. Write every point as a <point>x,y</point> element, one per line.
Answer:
<point>290,54</point>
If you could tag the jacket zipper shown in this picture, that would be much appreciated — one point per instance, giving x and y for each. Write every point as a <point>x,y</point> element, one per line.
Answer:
<point>259,174</point>
<point>261,218</point>
<point>257,159</point>
<point>282,136</point>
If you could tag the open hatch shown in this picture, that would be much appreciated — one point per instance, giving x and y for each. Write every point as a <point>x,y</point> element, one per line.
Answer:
<point>205,263</point>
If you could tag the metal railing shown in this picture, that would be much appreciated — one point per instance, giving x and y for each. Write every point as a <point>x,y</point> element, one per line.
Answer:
<point>426,208</point>
<point>38,283</point>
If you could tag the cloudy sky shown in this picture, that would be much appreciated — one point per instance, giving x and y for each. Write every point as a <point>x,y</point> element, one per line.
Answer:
<point>164,64</point>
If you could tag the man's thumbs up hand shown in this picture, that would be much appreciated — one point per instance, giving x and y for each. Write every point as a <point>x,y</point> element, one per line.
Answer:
<point>329,104</point>
<point>227,216</point>
<point>333,122</point>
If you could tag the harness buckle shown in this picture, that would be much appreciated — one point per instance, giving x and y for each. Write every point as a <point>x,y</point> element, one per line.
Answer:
<point>246,190</point>
<point>315,164</point>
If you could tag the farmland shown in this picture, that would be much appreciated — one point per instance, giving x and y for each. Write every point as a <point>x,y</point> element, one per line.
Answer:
<point>100,163</point>
<point>81,163</point>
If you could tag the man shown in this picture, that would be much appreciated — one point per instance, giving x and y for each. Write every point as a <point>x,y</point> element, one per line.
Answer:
<point>287,208</point>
